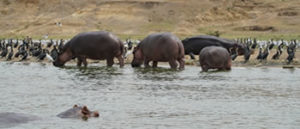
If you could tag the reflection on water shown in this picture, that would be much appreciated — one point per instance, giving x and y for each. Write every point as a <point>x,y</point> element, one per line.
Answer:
<point>153,98</point>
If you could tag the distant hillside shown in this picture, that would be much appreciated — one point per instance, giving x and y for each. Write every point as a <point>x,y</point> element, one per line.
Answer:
<point>137,18</point>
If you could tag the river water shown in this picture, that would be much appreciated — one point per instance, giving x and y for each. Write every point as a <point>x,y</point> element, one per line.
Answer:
<point>128,98</point>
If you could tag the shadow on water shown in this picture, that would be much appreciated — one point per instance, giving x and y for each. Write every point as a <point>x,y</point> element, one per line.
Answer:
<point>156,74</point>
<point>214,75</point>
<point>93,72</point>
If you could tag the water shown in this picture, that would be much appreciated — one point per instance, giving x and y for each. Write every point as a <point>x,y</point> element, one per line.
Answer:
<point>160,98</point>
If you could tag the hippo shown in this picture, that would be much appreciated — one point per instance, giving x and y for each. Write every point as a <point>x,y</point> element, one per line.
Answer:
<point>164,47</point>
<point>194,45</point>
<point>10,119</point>
<point>97,45</point>
<point>214,57</point>
<point>78,112</point>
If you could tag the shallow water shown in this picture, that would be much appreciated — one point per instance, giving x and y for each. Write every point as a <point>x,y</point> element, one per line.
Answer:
<point>153,98</point>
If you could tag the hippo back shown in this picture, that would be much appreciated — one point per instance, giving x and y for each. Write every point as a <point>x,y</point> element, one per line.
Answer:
<point>95,45</point>
<point>10,119</point>
<point>196,44</point>
<point>214,57</point>
<point>71,113</point>
<point>162,47</point>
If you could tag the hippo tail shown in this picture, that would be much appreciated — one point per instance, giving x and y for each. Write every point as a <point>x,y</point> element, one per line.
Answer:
<point>122,49</point>
<point>180,50</point>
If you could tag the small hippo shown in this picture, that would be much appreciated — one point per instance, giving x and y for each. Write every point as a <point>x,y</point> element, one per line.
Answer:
<point>78,112</point>
<point>215,58</point>
<point>10,119</point>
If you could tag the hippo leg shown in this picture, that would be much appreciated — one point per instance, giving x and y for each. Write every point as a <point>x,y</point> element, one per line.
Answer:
<point>110,61</point>
<point>121,61</point>
<point>146,63</point>
<point>84,62</point>
<point>181,63</point>
<point>79,62</point>
<point>173,63</point>
<point>228,65</point>
<point>221,69</point>
<point>204,68</point>
<point>154,64</point>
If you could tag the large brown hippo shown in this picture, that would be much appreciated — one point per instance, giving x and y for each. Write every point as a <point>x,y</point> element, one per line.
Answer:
<point>164,47</point>
<point>78,112</point>
<point>10,119</point>
<point>214,57</point>
<point>98,45</point>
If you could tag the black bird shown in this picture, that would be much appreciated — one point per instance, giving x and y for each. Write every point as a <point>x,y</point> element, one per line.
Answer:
<point>24,54</point>
<point>254,44</point>
<point>291,53</point>
<point>129,43</point>
<point>280,46</point>
<point>192,56</point>
<point>265,53</point>
<point>9,43</point>
<point>42,55</point>
<point>247,53</point>
<point>25,43</point>
<point>36,52</point>
<point>61,45</point>
<point>10,54</point>
<point>54,53</point>
<point>4,52</point>
<point>1,45</point>
<point>259,56</point>
<point>50,43</point>
<point>271,45</point>
<point>16,44</point>
<point>21,51</point>
<point>278,53</point>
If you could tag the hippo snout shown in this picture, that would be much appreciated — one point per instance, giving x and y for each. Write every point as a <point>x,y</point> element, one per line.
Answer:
<point>135,65</point>
<point>57,64</point>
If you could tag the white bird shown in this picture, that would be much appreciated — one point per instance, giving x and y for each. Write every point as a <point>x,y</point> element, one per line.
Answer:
<point>49,58</point>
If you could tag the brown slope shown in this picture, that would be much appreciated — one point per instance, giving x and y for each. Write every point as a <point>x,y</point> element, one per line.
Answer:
<point>141,17</point>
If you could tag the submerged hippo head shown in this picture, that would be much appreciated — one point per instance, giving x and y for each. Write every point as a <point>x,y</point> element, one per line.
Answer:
<point>78,112</point>
<point>63,57</point>
<point>138,57</point>
<point>240,49</point>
